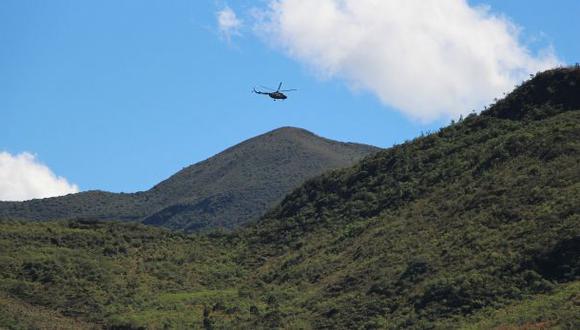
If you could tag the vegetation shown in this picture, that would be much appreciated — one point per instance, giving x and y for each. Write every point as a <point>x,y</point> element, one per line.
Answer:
<point>557,309</point>
<point>224,191</point>
<point>475,226</point>
<point>116,274</point>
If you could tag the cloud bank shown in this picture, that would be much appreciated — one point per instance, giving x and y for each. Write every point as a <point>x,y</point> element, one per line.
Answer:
<point>23,177</point>
<point>430,59</point>
<point>228,23</point>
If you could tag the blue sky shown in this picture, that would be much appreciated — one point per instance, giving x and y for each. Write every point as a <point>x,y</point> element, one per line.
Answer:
<point>119,95</point>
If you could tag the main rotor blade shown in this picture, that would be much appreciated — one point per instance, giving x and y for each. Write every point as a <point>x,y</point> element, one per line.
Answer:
<point>279,86</point>
<point>264,87</point>
<point>289,90</point>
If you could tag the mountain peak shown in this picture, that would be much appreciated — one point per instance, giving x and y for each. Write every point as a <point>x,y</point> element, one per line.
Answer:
<point>544,95</point>
<point>289,130</point>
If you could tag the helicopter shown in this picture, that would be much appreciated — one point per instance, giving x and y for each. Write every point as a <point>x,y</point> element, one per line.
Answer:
<point>275,94</point>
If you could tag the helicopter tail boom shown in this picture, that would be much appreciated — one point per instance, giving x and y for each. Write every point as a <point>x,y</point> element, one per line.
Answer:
<point>258,92</point>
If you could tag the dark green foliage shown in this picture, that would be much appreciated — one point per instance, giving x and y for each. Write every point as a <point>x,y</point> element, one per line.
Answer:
<point>475,226</point>
<point>549,93</point>
<point>225,191</point>
<point>562,262</point>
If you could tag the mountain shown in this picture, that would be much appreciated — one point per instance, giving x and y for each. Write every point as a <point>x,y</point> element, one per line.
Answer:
<point>477,216</point>
<point>233,187</point>
<point>475,226</point>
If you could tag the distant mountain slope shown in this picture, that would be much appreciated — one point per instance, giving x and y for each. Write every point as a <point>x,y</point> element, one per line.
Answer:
<point>226,190</point>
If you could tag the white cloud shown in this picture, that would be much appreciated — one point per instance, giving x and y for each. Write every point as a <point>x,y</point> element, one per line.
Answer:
<point>23,177</point>
<point>228,23</point>
<point>428,58</point>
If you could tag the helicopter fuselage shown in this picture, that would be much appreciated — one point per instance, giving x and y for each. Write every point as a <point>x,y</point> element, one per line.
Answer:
<point>277,96</point>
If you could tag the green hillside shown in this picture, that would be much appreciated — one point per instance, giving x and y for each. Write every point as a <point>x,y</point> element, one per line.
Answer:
<point>100,273</point>
<point>481,213</point>
<point>475,226</point>
<point>232,188</point>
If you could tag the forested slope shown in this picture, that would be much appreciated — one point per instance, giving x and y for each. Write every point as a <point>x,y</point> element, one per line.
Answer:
<point>479,214</point>
<point>474,226</point>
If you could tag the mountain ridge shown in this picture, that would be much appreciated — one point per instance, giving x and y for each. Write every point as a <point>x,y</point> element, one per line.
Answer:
<point>225,190</point>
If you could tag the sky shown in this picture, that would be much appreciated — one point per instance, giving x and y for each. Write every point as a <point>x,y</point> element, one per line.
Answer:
<point>119,95</point>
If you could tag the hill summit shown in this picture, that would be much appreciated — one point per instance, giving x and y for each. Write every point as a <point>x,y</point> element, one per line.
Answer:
<point>226,190</point>
<point>546,94</point>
